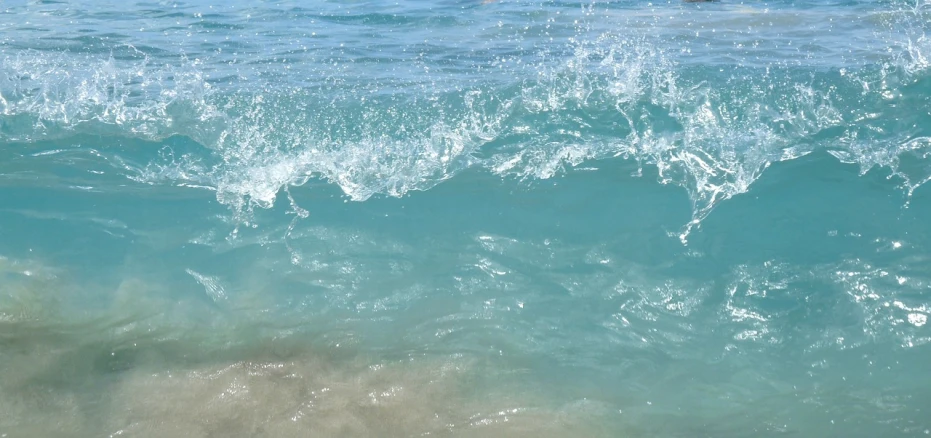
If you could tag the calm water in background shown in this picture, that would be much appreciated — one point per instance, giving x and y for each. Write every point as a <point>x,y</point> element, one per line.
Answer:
<point>455,218</point>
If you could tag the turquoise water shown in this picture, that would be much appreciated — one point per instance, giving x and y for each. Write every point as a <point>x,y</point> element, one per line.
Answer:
<point>465,218</point>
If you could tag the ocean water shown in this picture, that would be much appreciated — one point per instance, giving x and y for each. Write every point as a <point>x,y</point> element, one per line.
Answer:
<point>461,218</point>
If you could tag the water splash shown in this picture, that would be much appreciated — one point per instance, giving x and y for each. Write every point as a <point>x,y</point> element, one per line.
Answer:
<point>595,97</point>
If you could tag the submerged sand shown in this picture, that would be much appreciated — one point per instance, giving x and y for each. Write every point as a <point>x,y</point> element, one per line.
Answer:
<point>133,369</point>
<point>57,391</point>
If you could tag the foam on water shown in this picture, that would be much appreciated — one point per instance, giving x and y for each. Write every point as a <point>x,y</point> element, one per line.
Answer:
<point>619,93</point>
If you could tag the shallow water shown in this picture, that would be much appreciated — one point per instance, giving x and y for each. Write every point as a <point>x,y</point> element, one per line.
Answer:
<point>459,218</point>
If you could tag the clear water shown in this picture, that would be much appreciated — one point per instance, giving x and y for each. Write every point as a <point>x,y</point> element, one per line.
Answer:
<point>465,218</point>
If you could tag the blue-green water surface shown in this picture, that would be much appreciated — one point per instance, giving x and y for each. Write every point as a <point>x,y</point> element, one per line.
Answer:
<point>465,218</point>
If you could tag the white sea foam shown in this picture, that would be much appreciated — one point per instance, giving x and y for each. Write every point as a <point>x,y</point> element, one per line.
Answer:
<point>620,93</point>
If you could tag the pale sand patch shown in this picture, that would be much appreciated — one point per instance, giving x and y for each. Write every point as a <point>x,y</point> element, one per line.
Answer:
<point>140,366</point>
<point>307,395</point>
